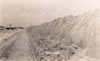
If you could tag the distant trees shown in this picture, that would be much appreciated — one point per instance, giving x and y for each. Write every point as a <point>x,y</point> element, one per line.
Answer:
<point>10,27</point>
<point>2,27</point>
<point>21,27</point>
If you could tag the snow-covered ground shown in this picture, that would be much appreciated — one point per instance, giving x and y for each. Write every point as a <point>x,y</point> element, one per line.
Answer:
<point>18,48</point>
<point>81,56</point>
<point>6,33</point>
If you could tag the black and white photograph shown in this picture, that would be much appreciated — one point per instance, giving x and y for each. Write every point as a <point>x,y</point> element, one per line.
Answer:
<point>49,30</point>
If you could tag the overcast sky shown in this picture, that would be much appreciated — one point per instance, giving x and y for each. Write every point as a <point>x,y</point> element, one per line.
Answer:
<point>33,12</point>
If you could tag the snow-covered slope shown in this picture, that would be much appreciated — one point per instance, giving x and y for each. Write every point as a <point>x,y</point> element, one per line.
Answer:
<point>69,35</point>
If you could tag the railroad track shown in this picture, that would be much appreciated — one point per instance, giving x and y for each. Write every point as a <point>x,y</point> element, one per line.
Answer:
<point>34,50</point>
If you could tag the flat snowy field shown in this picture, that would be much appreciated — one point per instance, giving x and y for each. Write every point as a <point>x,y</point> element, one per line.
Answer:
<point>6,34</point>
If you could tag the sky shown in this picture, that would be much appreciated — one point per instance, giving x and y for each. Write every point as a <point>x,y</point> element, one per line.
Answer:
<point>35,12</point>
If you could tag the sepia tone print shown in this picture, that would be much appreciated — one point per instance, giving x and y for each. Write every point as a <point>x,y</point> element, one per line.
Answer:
<point>49,30</point>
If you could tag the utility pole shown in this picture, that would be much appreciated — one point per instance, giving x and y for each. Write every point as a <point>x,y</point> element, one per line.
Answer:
<point>10,25</point>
